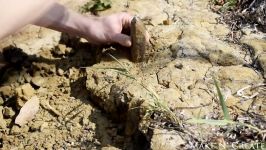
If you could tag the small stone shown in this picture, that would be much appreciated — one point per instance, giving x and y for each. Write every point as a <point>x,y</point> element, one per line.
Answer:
<point>44,126</point>
<point>92,126</point>
<point>60,71</point>
<point>179,66</point>
<point>47,145</point>
<point>27,90</point>
<point>8,112</point>
<point>17,130</point>
<point>84,121</point>
<point>71,72</point>
<point>109,148</point>
<point>174,49</point>
<point>38,81</point>
<point>1,101</point>
<point>6,91</point>
<point>20,102</point>
<point>24,93</point>
<point>43,68</point>
<point>2,121</point>
<point>27,78</point>
<point>60,50</point>
<point>36,126</point>
<point>167,22</point>
<point>69,50</point>
<point>163,139</point>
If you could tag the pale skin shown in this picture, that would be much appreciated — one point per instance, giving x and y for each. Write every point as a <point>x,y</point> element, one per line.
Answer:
<point>15,14</point>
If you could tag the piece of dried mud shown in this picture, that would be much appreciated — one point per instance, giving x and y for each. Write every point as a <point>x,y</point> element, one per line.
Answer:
<point>140,49</point>
<point>28,111</point>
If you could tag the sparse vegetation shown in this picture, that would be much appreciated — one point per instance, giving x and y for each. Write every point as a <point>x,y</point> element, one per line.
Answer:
<point>239,13</point>
<point>226,4</point>
<point>226,120</point>
<point>96,5</point>
<point>156,105</point>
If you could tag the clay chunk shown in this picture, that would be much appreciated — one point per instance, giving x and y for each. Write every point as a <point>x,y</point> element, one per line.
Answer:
<point>140,49</point>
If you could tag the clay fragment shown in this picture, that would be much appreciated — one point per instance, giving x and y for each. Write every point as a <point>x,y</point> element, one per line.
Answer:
<point>28,111</point>
<point>140,49</point>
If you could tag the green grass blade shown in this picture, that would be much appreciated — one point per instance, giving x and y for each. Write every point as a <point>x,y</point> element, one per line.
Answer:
<point>222,101</point>
<point>127,75</point>
<point>112,68</point>
<point>210,122</point>
<point>123,66</point>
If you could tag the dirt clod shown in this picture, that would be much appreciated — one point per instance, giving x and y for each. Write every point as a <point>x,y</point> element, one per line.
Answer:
<point>28,111</point>
<point>61,50</point>
<point>38,81</point>
<point>25,90</point>
<point>6,91</point>
<point>2,120</point>
<point>60,72</point>
<point>8,112</point>
<point>163,139</point>
<point>1,101</point>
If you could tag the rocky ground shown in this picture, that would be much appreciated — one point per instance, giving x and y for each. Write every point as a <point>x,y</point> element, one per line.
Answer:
<point>90,100</point>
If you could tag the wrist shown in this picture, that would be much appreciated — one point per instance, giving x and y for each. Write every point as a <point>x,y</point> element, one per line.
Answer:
<point>58,17</point>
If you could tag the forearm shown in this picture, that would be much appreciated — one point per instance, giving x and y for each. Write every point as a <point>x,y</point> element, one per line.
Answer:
<point>62,19</point>
<point>15,14</point>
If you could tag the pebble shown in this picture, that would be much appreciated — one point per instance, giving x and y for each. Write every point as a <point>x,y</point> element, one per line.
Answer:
<point>2,121</point>
<point>38,81</point>
<point>8,112</point>
<point>24,93</point>
<point>27,78</point>
<point>20,102</point>
<point>164,139</point>
<point>47,145</point>
<point>17,130</point>
<point>27,90</point>
<point>36,126</point>
<point>6,91</point>
<point>84,121</point>
<point>60,72</point>
<point>167,22</point>
<point>44,126</point>
<point>109,148</point>
<point>1,101</point>
<point>62,49</point>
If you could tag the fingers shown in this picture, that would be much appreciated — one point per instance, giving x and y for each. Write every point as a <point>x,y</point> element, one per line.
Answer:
<point>126,19</point>
<point>122,39</point>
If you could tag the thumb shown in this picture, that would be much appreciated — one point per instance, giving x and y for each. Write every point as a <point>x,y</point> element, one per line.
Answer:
<point>122,39</point>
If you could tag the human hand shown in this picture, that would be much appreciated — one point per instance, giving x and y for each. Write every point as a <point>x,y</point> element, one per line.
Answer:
<point>108,29</point>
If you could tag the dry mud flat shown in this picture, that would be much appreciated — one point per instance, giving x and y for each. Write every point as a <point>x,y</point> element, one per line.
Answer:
<point>89,100</point>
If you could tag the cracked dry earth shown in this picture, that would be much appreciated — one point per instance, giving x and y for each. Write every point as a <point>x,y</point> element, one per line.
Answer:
<point>86,102</point>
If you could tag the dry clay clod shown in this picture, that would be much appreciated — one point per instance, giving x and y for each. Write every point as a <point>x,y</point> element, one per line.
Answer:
<point>28,111</point>
<point>140,49</point>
